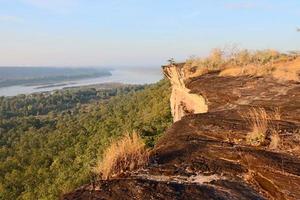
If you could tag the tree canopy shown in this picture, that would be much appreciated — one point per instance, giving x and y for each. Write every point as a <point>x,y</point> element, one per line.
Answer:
<point>49,143</point>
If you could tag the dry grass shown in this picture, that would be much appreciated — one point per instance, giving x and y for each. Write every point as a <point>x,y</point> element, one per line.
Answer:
<point>282,66</point>
<point>261,124</point>
<point>283,70</point>
<point>275,140</point>
<point>288,71</point>
<point>296,149</point>
<point>127,154</point>
<point>276,115</point>
<point>249,70</point>
<point>258,120</point>
<point>197,66</point>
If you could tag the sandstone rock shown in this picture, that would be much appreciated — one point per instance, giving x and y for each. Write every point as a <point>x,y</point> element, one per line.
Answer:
<point>182,101</point>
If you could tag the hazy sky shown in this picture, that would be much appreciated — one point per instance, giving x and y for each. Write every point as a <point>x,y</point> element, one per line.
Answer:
<point>139,32</point>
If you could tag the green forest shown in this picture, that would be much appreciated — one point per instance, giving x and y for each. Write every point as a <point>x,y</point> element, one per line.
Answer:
<point>49,143</point>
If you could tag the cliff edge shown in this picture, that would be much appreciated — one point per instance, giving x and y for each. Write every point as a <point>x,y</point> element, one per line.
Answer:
<point>206,153</point>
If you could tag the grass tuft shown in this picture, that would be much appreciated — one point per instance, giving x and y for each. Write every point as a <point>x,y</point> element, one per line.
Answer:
<point>127,154</point>
<point>275,140</point>
<point>258,119</point>
<point>261,124</point>
<point>276,114</point>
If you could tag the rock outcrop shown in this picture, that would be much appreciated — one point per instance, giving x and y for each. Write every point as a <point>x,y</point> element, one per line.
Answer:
<point>182,101</point>
<point>205,155</point>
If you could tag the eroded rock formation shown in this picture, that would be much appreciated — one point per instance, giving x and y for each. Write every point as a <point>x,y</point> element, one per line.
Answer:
<point>182,101</point>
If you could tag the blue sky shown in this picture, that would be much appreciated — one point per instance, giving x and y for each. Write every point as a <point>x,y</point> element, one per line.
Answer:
<point>139,32</point>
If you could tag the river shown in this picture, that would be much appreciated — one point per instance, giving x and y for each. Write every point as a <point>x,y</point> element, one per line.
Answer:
<point>127,76</point>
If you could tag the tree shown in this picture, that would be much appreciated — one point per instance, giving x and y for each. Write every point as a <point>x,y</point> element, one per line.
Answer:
<point>171,61</point>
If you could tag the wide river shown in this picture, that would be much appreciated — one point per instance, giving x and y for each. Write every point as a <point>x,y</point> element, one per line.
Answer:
<point>128,76</point>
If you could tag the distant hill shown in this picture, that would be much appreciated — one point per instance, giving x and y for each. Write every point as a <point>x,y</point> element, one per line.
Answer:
<point>10,76</point>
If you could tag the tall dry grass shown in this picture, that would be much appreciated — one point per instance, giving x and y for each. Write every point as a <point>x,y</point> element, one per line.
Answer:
<point>279,66</point>
<point>127,154</point>
<point>275,140</point>
<point>276,115</point>
<point>261,123</point>
<point>197,66</point>
<point>282,66</point>
<point>258,120</point>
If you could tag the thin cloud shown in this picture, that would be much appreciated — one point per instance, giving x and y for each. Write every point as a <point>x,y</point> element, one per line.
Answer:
<point>62,6</point>
<point>241,6</point>
<point>192,14</point>
<point>11,18</point>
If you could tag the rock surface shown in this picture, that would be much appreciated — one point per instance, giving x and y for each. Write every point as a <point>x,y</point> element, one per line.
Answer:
<point>206,156</point>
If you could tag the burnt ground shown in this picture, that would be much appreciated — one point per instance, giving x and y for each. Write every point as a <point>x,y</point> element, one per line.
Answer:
<point>205,156</point>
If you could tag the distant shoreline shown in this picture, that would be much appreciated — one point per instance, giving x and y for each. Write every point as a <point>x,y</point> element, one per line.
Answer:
<point>49,76</point>
<point>121,76</point>
<point>51,85</point>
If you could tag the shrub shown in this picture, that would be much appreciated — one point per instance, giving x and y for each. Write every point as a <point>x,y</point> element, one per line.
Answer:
<point>127,154</point>
<point>265,56</point>
<point>242,58</point>
<point>197,66</point>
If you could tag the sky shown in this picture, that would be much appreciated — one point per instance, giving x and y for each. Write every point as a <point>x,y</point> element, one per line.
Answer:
<point>139,32</point>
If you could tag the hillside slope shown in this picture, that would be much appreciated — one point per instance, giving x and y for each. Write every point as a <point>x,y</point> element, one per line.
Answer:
<point>206,155</point>
<point>50,142</point>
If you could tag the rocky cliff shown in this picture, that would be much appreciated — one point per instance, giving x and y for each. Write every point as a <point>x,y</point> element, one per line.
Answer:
<point>205,154</point>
